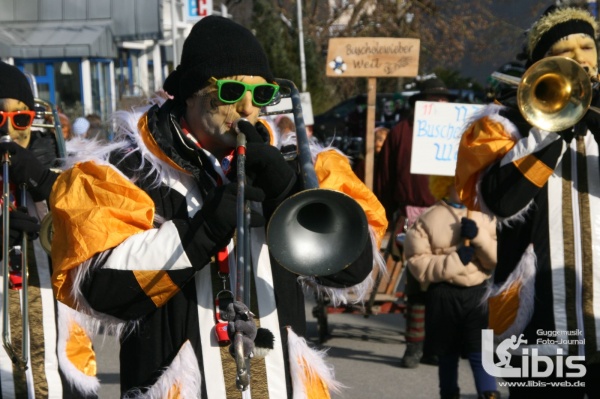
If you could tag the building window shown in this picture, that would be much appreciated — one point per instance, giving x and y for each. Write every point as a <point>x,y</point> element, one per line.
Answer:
<point>56,81</point>
<point>101,88</point>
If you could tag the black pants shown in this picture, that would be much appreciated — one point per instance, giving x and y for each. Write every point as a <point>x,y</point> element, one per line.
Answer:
<point>454,319</point>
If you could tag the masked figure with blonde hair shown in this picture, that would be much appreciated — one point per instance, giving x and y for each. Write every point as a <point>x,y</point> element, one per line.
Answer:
<point>544,189</point>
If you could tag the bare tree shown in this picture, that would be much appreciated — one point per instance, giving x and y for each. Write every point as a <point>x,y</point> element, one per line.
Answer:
<point>483,32</point>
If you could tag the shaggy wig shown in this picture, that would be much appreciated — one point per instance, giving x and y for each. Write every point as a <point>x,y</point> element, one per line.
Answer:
<point>555,24</point>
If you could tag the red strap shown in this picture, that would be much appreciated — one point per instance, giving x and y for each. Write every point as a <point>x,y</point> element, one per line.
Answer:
<point>223,260</point>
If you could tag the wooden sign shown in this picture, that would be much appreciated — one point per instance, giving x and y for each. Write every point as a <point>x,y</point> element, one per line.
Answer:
<point>372,57</point>
<point>436,135</point>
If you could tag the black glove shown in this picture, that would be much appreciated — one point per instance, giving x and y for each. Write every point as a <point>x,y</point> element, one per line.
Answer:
<point>213,226</point>
<point>241,319</point>
<point>592,121</point>
<point>265,166</point>
<point>592,118</point>
<point>468,228</point>
<point>219,212</point>
<point>465,254</point>
<point>20,222</point>
<point>25,168</point>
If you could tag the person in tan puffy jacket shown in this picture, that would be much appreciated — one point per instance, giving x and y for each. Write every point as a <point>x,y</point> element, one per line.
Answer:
<point>452,252</point>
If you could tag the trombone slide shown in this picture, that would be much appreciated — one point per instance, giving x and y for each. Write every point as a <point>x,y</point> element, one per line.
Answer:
<point>242,290</point>
<point>20,361</point>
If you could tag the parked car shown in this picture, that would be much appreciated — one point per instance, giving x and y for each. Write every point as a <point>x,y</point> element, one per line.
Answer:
<point>342,127</point>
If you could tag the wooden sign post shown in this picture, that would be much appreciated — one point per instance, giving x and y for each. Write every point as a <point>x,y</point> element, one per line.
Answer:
<point>372,57</point>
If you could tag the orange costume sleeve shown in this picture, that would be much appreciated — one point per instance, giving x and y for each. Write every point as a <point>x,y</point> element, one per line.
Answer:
<point>334,172</point>
<point>484,142</point>
<point>94,208</point>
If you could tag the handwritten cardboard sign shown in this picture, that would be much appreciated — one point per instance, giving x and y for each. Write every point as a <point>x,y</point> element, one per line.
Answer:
<point>373,57</point>
<point>436,134</point>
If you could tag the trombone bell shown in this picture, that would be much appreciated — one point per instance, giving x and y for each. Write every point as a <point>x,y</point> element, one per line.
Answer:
<point>554,93</point>
<point>318,232</point>
<point>551,93</point>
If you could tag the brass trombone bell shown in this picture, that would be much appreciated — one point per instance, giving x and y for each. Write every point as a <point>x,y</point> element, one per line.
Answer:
<point>553,94</point>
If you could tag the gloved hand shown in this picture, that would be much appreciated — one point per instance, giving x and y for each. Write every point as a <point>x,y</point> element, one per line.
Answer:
<point>592,121</point>
<point>592,118</point>
<point>465,254</point>
<point>468,228</point>
<point>20,222</point>
<point>241,319</point>
<point>219,211</point>
<point>25,168</point>
<point>265,166</point>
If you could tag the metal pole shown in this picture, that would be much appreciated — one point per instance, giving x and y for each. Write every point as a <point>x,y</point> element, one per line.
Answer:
<point>174,33</point>
<point>301,43</point>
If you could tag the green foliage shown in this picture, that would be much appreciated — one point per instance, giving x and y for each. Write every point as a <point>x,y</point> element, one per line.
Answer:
<point>279,41</point>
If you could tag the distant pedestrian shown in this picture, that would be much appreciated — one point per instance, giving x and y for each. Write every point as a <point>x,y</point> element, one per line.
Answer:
<point>65,124</point>
<point>405,196</point>
<point>80,127</point>
<point>454,272</point>
<point>98,130</point>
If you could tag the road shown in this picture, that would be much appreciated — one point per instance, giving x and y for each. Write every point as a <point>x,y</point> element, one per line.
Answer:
<point>365,353</point>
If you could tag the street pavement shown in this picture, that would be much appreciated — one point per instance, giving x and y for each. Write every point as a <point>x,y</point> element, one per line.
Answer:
<point>365,352</point>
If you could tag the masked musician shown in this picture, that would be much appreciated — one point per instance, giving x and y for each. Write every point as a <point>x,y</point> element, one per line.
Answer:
<point>40,376</point>
<point>146,226</point>
<point>543,187</point>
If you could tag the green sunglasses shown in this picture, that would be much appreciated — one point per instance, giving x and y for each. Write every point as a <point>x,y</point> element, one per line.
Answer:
<point>232,91</point>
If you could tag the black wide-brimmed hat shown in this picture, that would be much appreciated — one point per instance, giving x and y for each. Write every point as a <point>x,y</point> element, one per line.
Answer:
<point>431,86</point>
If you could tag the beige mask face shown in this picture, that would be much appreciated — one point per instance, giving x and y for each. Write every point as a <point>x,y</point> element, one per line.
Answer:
<point>21,137</point>
<point>211,120</point>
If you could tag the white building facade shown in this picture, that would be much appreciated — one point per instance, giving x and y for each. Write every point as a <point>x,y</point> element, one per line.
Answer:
<point>95,56</point>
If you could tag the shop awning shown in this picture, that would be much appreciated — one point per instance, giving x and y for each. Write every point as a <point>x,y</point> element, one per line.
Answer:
<point>57,39</point>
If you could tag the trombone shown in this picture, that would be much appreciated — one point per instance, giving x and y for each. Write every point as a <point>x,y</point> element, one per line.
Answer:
<point>19,361</point>
<point>242,285</point>
<point>316,232</point>
<point>47,118</point>
<point>553,94</point>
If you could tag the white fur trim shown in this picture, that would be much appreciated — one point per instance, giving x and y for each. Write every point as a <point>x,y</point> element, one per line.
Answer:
<point>82,150</point>
<point>523,274</point>
<point>182,372</point>
<point>110,324</point>
<point>492,111</point>
<point>356,293</point>
<point>301,354</point>
<point>127,141</point>
<point>86,384</point>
